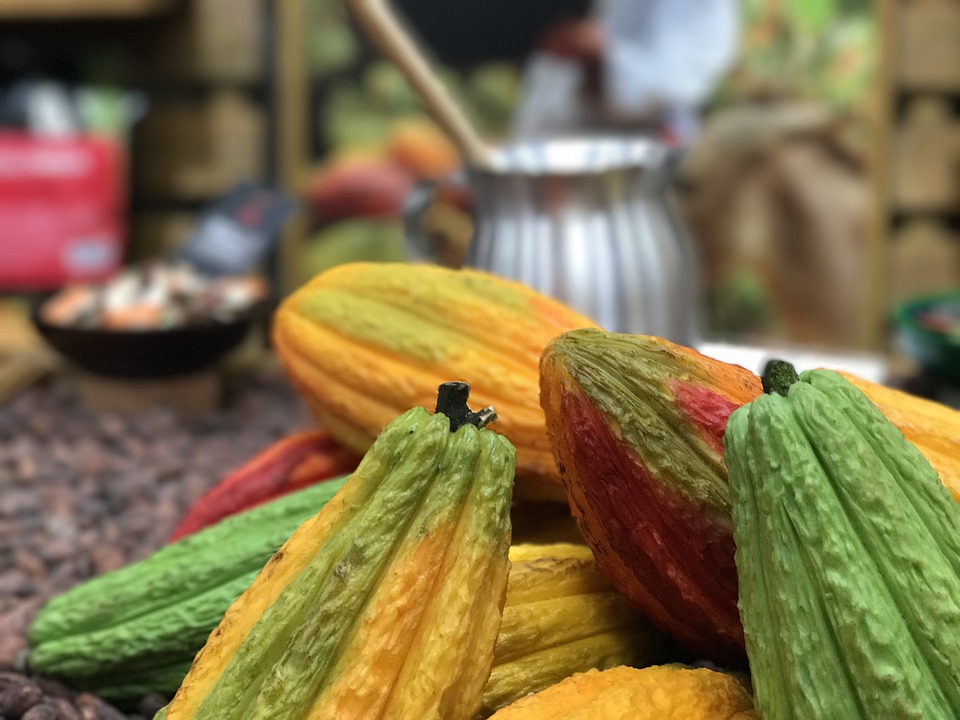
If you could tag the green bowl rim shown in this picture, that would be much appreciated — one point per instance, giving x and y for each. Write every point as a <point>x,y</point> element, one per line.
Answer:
<point>905,320</point>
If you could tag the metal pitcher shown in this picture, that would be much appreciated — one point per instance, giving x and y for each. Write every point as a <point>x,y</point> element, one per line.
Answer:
<point>589,222</point>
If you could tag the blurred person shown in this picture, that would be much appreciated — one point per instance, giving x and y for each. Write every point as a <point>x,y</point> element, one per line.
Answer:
<point>633,65</point>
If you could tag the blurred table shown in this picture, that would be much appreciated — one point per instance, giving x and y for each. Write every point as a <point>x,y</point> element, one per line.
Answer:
<point>870,366</point>
<point>894,370</point>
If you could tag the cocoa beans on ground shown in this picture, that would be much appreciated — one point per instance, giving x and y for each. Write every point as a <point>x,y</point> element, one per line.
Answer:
<point>82,494</point>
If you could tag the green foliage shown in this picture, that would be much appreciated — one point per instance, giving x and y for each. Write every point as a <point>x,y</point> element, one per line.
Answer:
<point>355,241</point>
<point>331,43</point>
<point>493,91</point>
<point>365,94</point>
<point>740,306</point>
<point>811,14</point>
<point>807,49</point>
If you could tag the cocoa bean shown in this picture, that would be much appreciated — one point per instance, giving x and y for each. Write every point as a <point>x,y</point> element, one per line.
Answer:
<point>17,699</point>
<point>11,679</point>
<point>27,469</point>
<point>93,708</point>
<point>14,582</point>
<point>11,645</point>
<point>29,564</point>
<point>53,689</point>
<point>111,427</point>
<point>20,617</point>
<point>106,558</point>
<point>19,501</point>
<point>59,548</point>
<point>40,426</point>
<point>81,494</point>
<point>65,708</point>
<point>43,711</point>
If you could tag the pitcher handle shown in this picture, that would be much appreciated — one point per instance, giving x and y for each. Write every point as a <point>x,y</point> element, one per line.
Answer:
<point>418,201</point>
<point>681,185</point>
<point>672,175</point>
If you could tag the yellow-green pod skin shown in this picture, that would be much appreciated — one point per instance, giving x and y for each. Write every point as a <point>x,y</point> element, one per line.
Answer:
<point>134,631</point>
<point>848,554</point>
<point>363,342</point>
<point>386,604</point>
<point>562,616</point>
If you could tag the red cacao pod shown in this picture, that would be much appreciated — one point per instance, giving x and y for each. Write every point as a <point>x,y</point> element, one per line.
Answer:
<point>637,424</point>
<point>292,463</point>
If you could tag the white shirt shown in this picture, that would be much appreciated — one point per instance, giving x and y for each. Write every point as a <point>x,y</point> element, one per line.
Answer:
<point>656,53</point>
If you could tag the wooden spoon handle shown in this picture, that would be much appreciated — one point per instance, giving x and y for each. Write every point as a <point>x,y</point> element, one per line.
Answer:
<point>385,31</point>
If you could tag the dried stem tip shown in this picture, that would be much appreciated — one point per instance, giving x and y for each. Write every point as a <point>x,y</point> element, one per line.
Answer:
<point>778,376</point>
<point>452,402</point>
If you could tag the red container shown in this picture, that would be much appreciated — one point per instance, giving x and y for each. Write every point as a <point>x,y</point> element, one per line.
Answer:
<point>61,210</point>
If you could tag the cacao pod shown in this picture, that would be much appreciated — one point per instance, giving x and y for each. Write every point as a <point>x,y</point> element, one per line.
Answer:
<point>637,425</point>
<point>386,604</point>
<point>365,341</point>
<point>562,616</point>
<point>422,148</point>
<point>654,693</point>
<point>934,428</point>
<point>362,188</point>
<point>848,549</point>
<point>134,631</point>
<point>289,464</point>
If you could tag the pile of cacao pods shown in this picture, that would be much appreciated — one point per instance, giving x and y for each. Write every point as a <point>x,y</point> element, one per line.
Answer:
<point>799,526</point>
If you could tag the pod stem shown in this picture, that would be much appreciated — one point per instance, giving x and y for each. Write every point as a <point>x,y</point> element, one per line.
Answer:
<point>452,402</point>
<point>778,376</point>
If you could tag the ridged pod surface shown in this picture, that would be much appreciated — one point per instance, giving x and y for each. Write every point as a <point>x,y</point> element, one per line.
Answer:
<point>363,342</point>
<point>934,428</point>
<point>290,464</point>
<point>386,604</point>
<point>562,617</point>
<point>134,631</point>
<point>637,424</point>
<point>625,693</point>
<point>848,548</point>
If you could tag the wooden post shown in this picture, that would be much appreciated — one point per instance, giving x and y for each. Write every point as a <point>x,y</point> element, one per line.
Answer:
<point>877,260</point>
<point>292,129</point>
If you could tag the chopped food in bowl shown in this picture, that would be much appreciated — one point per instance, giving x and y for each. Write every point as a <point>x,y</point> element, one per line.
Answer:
<point>154,296</point>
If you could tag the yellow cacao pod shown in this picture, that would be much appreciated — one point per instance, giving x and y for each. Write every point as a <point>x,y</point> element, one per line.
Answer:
<point>365,341</point>
<point>622,693</point>
<point>562,616</point>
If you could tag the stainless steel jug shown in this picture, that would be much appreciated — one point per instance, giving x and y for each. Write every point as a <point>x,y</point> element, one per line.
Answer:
<point>589,222</point>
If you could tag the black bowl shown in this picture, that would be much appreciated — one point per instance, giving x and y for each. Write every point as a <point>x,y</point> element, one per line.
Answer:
<point>146,353</point>
<point>938,353</point>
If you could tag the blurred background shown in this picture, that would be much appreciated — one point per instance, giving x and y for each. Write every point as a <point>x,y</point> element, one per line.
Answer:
<point>819,179</point>
<point>784,180</point>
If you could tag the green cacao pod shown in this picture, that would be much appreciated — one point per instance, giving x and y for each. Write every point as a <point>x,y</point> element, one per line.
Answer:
<point>135,630</point>
<point>387,603</point>
<point>848,554</point>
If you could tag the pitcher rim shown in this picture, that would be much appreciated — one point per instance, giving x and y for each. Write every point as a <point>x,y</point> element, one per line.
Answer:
<point>577,155</point>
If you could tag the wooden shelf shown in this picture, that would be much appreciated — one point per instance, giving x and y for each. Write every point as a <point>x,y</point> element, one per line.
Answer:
<point>80,9</point>
<point>915,244</point>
